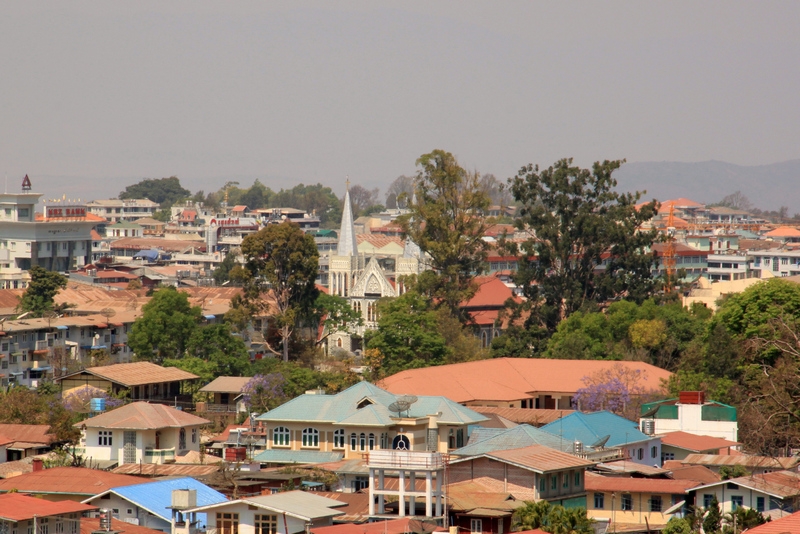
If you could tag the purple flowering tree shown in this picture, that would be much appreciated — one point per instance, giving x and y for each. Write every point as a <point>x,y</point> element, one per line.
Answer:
<point>78,400</point>
<point>618,389</point>
<point>263,392</point>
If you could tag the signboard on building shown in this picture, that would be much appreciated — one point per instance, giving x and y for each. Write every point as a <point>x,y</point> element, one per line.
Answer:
<point>56,212</point>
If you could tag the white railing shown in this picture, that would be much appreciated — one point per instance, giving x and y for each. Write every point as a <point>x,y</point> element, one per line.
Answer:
<point>405,459</point>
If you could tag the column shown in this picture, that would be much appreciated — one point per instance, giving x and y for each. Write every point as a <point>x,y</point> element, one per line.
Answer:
<point>381,496</point>
<point>372,490</point>
<point>413,499</point>
<point>402,496</point>
<point>439,493</point>
<point>428,496</point>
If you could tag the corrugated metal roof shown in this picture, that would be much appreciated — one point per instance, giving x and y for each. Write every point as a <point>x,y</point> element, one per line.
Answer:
<point>67,480</point>
<point>540,458</point>
<point>280,456</point>
<point>139,373</point>
<point>226,384</point>
<point>594,482</point>
<point>155,496</point>
<point>304,505</point>
<point>764,462</point>
<point>780,484</point>
<point>143,415</point>
<point>486,440</point>
<point>19,507</point>
<point>588,428</point>
<point>165,470</point>
<point>693,442</point>
<point>535,417</point>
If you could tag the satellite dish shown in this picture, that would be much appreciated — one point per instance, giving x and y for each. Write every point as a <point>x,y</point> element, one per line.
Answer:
<point>410,399</point>
<point>600,443</point>
<point>399,406</point>
<point>651,412</point>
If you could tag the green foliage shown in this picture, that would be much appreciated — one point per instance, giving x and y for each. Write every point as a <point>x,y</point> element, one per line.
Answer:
<point>718,389</point>
<point>678,525</point>
<point>713,519</point>
<point>215,344</point>
<point>20,405</point>
<point>336,313</point>
<point>744,519</point>
<point>446,222</point>
<point>727,472</point>
<point>164,191</point>
<point>551,518</point>
<point>283,263</point>
<point>206,370</point>
<point>222,272</point>
<point>42,289</point>
<point>407,335</point>
<point>317,199</point>
<point>574,217</point>
<point>165,326</point>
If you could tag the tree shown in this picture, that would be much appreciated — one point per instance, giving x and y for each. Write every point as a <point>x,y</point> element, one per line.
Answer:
<point>446,221</point>
<point>283,262</point>
<point>400,192</point>
<point>215,343</point>
<point>713,519</point>
<point>336,314</point>
<point>258,196</point>
<point>316,198</point>
<point>222,273</point>
<point>163,191</point>
<point>165,326</point>
<point>42,289</point>
<point>495,190</point>
<point>362,198</point>
<point>585,241</point>
<point>727,472</point>
<point>264,392</point>
<point>555,519</point>
<point>618,389</point>
<point>678,525</point>
<point>736,200</point>
<point>531,516</point>
<point>407,336</point>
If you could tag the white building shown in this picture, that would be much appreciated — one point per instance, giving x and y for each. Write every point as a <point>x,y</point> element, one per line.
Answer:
<point>116,210</point>
<point>775,262</point>
<point>57,240</point>
<point>690,413</point>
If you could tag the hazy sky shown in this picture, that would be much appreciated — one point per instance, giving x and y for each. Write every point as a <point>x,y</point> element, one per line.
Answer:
<point>111,92</point>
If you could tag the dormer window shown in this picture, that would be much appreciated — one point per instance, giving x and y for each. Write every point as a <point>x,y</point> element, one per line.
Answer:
<point>364,402</point>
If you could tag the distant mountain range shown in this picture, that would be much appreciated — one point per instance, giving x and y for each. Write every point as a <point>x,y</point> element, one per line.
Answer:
<point>767,186</point>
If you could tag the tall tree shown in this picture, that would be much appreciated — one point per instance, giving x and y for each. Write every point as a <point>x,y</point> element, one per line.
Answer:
<point>42,289</point>
<point>283,262</point>
<point>165,326</point>
<point>316,198</point>
<point>400,192</point>
<point>446,221</point>
<point>362,198</point>
<point>164,191</point>
<point>585,241</point>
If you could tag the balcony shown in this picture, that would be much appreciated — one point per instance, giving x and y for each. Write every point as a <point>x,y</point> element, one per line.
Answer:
<point>44,344</point>
<point>397,459</point>
<point>159,456</point>
<point>205,407</point>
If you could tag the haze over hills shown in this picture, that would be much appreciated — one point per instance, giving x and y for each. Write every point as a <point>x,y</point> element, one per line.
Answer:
<point>767,186</point>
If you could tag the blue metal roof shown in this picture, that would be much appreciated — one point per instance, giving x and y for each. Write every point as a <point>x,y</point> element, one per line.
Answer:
<point>484,441</point>
<point>156,496</point>
<point>588,428</point>
<point>283,456</point>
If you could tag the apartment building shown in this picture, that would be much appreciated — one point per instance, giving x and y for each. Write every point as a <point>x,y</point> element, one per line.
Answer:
<point>129,210</point>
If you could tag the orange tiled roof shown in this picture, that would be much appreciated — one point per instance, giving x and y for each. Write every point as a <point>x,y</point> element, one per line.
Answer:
<point>67,480</point>
<point>508,379</point>
<point>142,415</point>
<point>693,442</point>
<point>784,525</point>
<point>27,433</point>
<point>89,525</point>
<point>379,240</point>
<point>783,231</point>
<point>596,482</point>
<point>18,507</point>
<point>491,293</point>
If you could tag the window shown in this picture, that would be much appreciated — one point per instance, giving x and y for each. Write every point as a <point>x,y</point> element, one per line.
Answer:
<point>736,502</point>
<point>362,441</point>
<point>577,479</point>
<point>104,438</point>
<point>353,441</point>
<point>310,437</point>
<point>653,451</point>
<point>59,526</point>
<point>182,439</point>
<point>553,482</point>
<point>194,435</point>
<point>655,503</point>
<point>371,442</point>
<point>542,484</point>
<point>227,523</point>
<point>280,437</point>
<point>565,480</point>
<point>759,504</point>
<point>599,501</point>
<point>266,524</point>
<point>73,524</point>
<point>640,453</point>
<point>338,439</point>
<point>44,527</point>
<point>707,500</point>
<point>476,526</point>
<point>627,501</point>
<point>667,456</point>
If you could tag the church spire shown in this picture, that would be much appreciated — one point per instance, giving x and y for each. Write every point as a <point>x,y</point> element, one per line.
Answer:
<point>347,245</point>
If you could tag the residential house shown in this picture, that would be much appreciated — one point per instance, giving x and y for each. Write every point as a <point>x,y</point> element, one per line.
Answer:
<point>691,413</point>
<point>610,431</point>
<point>317,428</point>
<point>91,525</point>
<point>710,292</point>
<point>225,394</point>
<point>783,525</point>
<point>280,513</point>
<point>486,306</point>
<point>483,440</point>
<point>71,483</point>
<point>514,382</point>
<point>678,445</point>
<point>404,525</point>
<point>623,500</point>
<point>784,234</point>
<point>143,381</point>
<point>527,416</point>
<point>480,508</point>
<point>25,441</point>
<point>752,464</point>
<point>22,513</point>
<point>147,504</point>
<point>140,433</point>
<point>778,490</point>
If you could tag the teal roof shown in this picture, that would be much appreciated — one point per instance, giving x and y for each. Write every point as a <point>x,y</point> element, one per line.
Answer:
<point>486,440</point>
<point>283,456</point>
<point>343,408</point>
<point>588,428</point>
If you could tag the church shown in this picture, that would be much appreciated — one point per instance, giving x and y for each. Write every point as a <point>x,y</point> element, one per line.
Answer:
<point>364,278</point>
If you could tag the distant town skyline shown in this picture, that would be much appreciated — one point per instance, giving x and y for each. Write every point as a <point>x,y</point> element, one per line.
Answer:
<point>98,96</point>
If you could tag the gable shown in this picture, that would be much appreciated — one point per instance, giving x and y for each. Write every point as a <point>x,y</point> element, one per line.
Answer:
<point>372,282</point>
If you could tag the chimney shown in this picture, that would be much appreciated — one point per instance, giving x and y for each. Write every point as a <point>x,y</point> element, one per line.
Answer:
<point>38,465</point>
<point>692,397</point>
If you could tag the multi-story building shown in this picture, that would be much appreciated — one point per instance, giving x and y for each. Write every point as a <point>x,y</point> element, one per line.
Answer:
<point>775,262</point>
<point>116,210</point>
<point>732,266</point>
<point>691,413</point>
<point>58,239</point>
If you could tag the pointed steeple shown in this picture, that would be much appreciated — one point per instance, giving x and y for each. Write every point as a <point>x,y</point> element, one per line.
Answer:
<point>347,246</point>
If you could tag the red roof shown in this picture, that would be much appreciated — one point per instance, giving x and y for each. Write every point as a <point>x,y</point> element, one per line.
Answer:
<point>68,480</point>
<point>391,526</point>
<point>695,443</point>
<point>783,231</point>
<point>784,525</point>
<point>682,203</point>
<point>595,482</point>
<point>491,293</point>
<point>90,525</point>
<point>19,507</point>
<point>27,433</point>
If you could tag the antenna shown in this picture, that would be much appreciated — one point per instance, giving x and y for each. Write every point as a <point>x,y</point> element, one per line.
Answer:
<point>600,443</point>
<point>651,412</point>
<point>399,406</point>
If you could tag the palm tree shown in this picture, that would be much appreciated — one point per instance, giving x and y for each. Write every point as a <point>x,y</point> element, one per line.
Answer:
<point>530,516</point>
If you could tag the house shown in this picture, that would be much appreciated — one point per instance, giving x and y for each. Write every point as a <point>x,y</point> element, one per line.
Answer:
<point>71,483</point>
<point>678,445</point>
<point>784,525</point>
<point>280,513</point>
<point>91,525</point>
<point>225,394</point>
<point>480,508</point>
<point>140,433</point>
<point>778,490</point>
<point>25,441</point>
<point>514,382</point>
<point>609,431</point>
<point>22,513</point>
<point>318,428</point>
<point>143,381</point>
<point>753,464</point>
<point>528,474</point>
<point>691,413</point>
<point>634,501</point>
<point>486,305</point>
<point>145,504</point>
<point>483,440</point>
<point>390,526</point>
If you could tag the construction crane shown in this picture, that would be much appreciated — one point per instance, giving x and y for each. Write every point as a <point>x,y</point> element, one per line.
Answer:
<point>669,252</point>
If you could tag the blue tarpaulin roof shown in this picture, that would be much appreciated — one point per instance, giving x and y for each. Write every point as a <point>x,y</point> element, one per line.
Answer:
<point>150,255</point>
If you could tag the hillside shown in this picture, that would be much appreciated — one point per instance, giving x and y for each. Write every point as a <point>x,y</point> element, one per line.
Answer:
<point>767,186</point>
